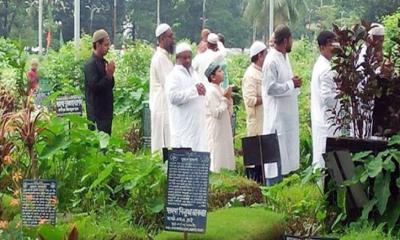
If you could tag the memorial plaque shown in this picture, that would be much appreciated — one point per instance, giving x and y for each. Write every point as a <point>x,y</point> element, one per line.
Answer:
<point>69,105</point>
<point>146,125</point>
<point>187,191</point>
<point>262,158</point>
<point>39,200</point>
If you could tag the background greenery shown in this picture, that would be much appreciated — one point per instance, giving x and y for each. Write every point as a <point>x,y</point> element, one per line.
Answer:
<point>238,20</point>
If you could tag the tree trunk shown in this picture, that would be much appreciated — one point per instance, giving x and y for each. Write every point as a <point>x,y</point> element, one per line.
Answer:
<point>5,19</point>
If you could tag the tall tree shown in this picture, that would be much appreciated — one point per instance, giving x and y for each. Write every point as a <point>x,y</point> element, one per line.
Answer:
<point>257,12</point>
<point>9,9</point>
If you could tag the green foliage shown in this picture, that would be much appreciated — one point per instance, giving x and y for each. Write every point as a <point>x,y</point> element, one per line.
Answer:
<point>379,169</point>
<point>12,64</point>
<point>303,205</point>
<point>145,179</point>
<point>237,65</point>
<point>392,30</point>
<point>235,224</point>
<point>132,79</point>
<point>64,68</point>
<point>365,231</point>
<point>227,186</point>
<point>113,223</point>
<point>302,58</point>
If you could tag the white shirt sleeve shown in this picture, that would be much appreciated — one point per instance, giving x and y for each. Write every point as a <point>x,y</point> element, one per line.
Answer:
<point>328,89</point>
<point>216,105</point>
<point>178,95</point>
<point>273,86</point>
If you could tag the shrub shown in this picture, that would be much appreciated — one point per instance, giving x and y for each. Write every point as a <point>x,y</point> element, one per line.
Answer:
<point>302,205</point>
<point>132,79</point>
<point>227,185</point>
<point>302,58</point>
<point>365,231</point>
<point>377,173</point>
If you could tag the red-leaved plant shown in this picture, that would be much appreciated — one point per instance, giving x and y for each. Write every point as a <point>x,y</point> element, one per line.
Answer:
<point>361,84</point>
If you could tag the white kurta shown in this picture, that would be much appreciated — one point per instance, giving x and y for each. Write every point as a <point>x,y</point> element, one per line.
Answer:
<point>281,113</point>
<point>323,93</point>
<point>251,89</point>
<point>186,110</point>
<point>220,140</point>
<point>161,65</point>
<point>203,60</point>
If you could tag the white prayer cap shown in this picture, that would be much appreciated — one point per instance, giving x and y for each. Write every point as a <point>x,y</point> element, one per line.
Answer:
<point>162,28</point>
<point>183,47</point>
<point>212,38</point>
<point>256,48</point>
<point>377,30</point>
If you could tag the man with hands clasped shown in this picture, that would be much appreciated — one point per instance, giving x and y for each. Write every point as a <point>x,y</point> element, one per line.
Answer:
<point>280,90</point>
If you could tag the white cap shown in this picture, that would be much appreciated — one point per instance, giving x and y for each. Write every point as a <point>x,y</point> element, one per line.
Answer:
<point>377,30</point>
<point>162,28</point>
<point>256,48</point>
<point>212,38</point>
<point>183,47</point>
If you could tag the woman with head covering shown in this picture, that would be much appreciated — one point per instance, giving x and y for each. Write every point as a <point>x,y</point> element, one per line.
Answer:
<point>218,118</point>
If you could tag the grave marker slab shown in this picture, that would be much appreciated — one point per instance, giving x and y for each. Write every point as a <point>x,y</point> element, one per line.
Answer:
<point>39,200</point>
<point>69,105</point>
<point>188,174</point>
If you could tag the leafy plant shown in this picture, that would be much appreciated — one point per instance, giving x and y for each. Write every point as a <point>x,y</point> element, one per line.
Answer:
<point>379,170</point>
<point>13,56</point>
<point>132,76</point>
<point>360,84</point>
<point>302,204</point>
<point>25,122</point>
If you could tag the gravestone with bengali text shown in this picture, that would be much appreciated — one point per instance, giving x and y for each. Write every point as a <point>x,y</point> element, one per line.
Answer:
<point>187,196</point>
<point>39,200</point>
<point>69,105</point>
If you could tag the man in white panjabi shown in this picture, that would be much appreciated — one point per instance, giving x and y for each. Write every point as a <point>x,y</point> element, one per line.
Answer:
<point>219,108</point>
<point>251,89</point>
<point>211,55</point>
<point>323,97</point>
<point>161,65</point>
<point>186,101</point>
<point>374,43</point>
<point>280,90</point>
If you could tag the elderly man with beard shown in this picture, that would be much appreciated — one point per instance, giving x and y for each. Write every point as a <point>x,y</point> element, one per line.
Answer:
<point>280,89</point>
<point>161,65</point>
<point>186,100</point>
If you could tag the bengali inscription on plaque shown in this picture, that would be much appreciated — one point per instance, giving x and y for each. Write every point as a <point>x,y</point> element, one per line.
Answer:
<point>188,174</point>
<point>39,200</point>
<point>69,105</point>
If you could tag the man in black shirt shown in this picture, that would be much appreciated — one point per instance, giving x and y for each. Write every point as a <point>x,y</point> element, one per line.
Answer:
<point>99,84</point>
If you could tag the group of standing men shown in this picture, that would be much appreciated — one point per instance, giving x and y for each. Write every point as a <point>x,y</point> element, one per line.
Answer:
<point>270,92</point>
<point>191,104</point>
<point>188,107</point>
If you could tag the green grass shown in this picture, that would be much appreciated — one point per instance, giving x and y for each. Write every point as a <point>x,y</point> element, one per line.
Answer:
<point>237,223</point>
<point>366,233</point>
